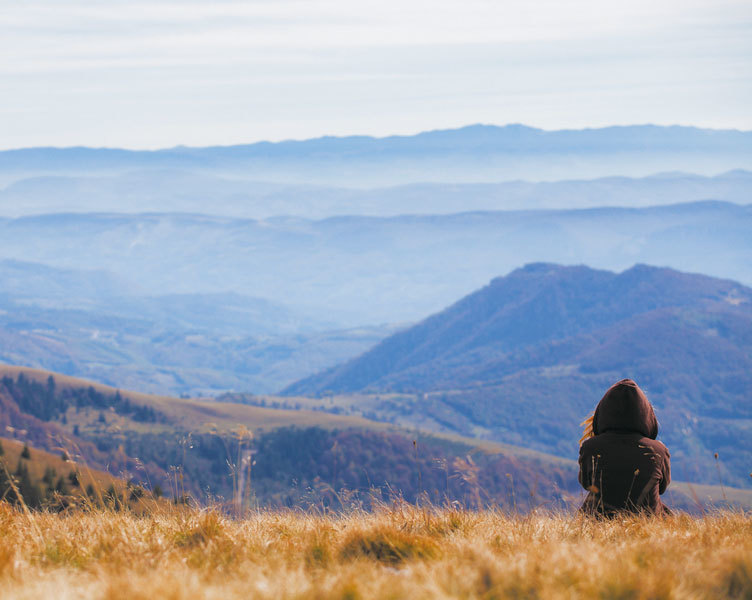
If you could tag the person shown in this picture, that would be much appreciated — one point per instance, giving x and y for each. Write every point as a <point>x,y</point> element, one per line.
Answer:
<point>623,466</point>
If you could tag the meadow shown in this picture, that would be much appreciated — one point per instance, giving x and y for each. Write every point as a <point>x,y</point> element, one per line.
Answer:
<point>396,551</point>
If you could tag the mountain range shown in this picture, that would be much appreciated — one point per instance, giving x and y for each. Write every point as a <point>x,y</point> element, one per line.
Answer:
<point>477,153</point>
<point>526,358</point>
<point>182,191</point>
<point>193,304</point>
<point>353,271</point>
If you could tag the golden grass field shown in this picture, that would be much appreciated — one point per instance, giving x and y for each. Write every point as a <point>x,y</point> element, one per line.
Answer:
<point>396,552</point>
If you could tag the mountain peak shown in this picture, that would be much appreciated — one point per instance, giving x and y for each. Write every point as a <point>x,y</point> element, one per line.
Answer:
<point>533,305</point>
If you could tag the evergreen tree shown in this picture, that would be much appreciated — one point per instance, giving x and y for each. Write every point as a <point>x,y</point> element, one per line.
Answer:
<point>26,453</point>
<point>30,493</point>
<point>5,488</point>
<point>73,478</point>
<point>49,476</point>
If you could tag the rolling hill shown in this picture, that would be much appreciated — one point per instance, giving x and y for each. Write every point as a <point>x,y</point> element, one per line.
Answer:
<point>524,359</point>
<point>302,457</point>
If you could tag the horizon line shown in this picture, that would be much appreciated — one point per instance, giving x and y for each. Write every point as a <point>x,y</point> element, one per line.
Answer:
<point>520,126</point>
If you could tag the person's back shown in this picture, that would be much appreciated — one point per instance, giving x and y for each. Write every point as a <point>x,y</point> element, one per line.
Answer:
<point>622,465</point>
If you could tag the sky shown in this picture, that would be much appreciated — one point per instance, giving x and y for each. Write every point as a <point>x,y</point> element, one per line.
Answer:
<point>160,73</point>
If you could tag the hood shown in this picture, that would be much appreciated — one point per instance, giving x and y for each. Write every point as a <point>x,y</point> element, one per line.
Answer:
<point>625,407</point>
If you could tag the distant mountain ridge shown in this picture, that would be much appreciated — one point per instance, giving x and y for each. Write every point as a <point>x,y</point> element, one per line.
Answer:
<point>527,357</point>
<point>362,160</point>
<point>513,137</point>
<point>183,191</point>
<point>364,270</point>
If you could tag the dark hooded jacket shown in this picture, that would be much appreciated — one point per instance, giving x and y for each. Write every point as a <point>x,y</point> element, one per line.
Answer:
<point>623,466</point>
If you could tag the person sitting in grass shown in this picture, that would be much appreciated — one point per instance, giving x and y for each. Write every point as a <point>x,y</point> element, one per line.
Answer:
<point>622,465</point>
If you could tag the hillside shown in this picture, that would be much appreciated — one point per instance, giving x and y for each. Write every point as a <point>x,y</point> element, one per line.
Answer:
<point>301,457</point>
<point>493,363</point>
<point>58,481</point>
<point>478,153</point>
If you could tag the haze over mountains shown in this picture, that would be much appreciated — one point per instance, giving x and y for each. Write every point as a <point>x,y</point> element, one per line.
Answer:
<point>351,271</point>
<point>166,191</point>
<point>89,324</point>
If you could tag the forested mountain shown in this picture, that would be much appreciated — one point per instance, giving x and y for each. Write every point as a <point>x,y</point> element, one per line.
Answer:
<point>527,357</point>
<point>478,153</point>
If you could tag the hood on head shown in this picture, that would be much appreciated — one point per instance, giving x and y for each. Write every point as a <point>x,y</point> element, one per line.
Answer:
<point>625,407</point>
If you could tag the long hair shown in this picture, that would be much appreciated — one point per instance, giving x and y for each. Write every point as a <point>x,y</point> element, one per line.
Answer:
<point>587,428</point>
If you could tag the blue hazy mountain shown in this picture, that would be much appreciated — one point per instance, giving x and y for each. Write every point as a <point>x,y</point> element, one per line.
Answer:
<point>477,153</point>
<point>164,190</point>
<point>351,271</point>
<point>524,359</point>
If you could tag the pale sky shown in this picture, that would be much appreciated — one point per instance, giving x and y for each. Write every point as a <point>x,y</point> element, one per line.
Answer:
<point>158,73</point>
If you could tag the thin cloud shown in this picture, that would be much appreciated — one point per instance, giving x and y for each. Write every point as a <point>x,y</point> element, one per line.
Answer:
<point>226,71</point>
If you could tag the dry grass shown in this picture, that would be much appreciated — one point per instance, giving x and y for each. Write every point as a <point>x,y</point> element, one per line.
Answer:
<point>400,552</point>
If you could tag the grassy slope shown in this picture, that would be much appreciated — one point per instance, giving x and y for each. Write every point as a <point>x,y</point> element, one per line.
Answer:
<point>397,552</point>
<point>40,460</point>
<point>100,481</point>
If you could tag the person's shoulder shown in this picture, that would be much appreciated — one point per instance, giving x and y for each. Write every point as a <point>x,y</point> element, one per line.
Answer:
<point>655,445</point>
<point>590,444</point>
